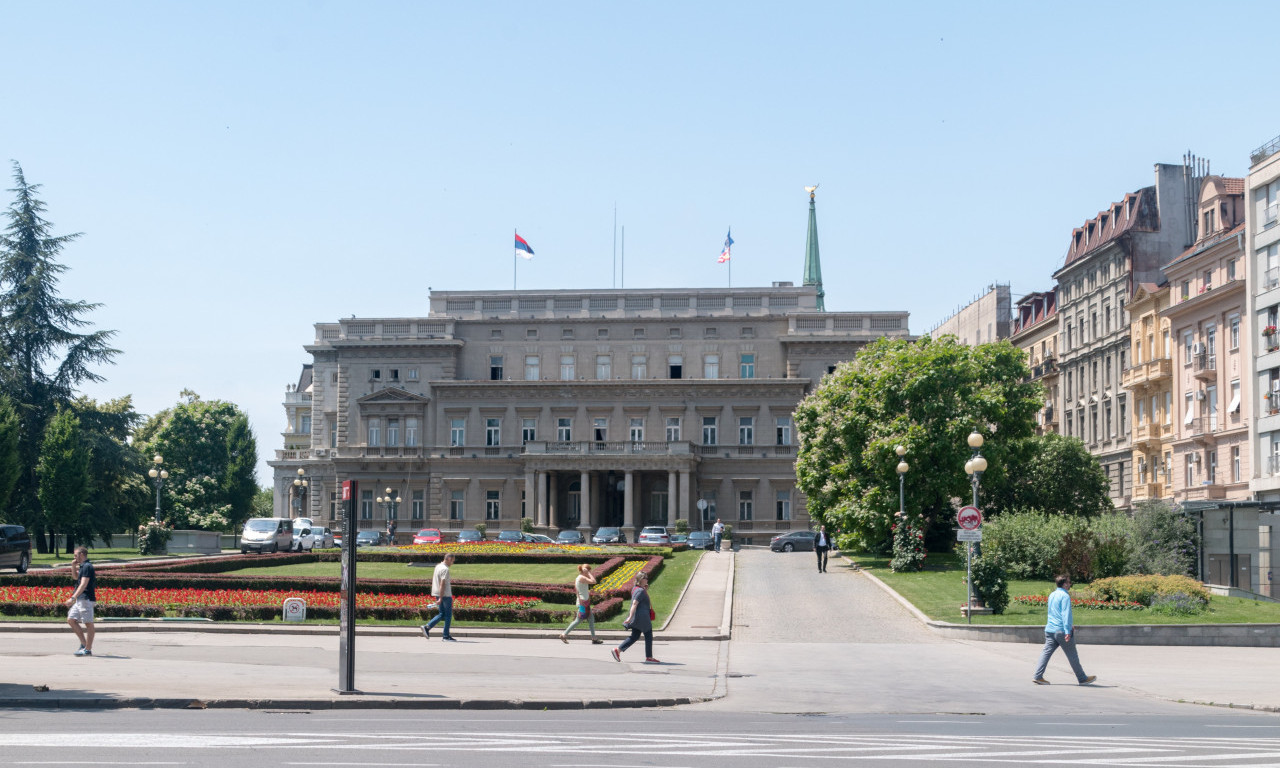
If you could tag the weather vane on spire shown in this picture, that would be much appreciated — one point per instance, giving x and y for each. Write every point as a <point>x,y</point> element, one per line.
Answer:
<point>811,190</point>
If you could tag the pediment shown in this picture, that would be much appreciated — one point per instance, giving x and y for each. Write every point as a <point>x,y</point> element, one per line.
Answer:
<point>392,396</point>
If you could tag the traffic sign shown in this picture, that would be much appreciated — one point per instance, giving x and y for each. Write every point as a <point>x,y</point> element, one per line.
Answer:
<point>969,518</point>
<point>969,535</point>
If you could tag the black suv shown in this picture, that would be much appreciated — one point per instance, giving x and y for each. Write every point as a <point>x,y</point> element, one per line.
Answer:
<point>15,548</point>
<point>610,536</point>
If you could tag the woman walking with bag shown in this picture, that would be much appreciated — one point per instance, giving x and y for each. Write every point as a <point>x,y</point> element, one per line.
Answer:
<point>639,621</point>
<point>583,584</point>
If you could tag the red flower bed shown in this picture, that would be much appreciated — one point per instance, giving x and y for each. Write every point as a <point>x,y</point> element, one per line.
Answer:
<point>1042,601</point>
<point>173,598</point>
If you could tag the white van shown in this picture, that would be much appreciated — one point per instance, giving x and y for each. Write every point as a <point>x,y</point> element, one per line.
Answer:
<point>266,534</point>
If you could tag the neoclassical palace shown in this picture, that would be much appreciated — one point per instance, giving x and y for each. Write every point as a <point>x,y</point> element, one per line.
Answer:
<point>576,408</point>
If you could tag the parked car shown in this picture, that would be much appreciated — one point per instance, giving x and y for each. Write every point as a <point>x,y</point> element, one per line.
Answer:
<point>538,538</point>
<point>465,536</point>
<point>300,524</point>
<point>315,537</point>
<point>570,537</point>
<point>371,538</point>
<point>796,541</point>
<point>266,534</point>
<point>609,536</point>
<point>509,537</point>
<point>15,548</point>
<point>700,540</point>
<point>428,536</point>
<point>654,534</point>
<point>337,539</point>
<point>679,538</point>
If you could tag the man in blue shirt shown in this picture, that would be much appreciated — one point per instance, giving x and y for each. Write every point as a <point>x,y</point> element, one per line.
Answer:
<point>1057,632</point>
<point>82,601</point>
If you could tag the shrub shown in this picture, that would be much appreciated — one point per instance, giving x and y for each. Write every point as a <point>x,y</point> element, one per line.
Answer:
<point>481,527</point>
<point>1164,540</point>
<point>1076,552</point>
<point>1146,589</point>
<point>1112,546</point>
<point>526,524</point>
<point>152,537</point>
<point>990,583</point>
<point>1177,604</point>
<point>682,526</point>
<point>909,550</point>
<point>1027,542</point>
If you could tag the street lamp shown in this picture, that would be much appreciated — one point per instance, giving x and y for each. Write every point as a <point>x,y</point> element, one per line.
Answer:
<point>902,474</point>
<point>299,491</point>
<point>975,466</point>
<point>389,500</point>
<point>158,475</point>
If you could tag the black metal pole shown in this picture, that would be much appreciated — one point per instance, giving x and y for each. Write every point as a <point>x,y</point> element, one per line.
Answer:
<point>347,614</point>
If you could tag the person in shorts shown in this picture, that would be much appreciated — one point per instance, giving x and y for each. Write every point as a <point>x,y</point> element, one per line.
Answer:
<point>82,601</point>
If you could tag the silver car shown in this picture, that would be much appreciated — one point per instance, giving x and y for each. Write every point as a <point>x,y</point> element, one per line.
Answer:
<point>654,534</point>
<point>315,537</point>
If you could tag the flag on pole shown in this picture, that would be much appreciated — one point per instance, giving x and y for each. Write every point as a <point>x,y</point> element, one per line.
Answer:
<point>728,241</point>
<point>522,245</point>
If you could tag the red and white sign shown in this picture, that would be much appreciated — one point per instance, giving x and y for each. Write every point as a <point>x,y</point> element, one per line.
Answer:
<point>969,518</point>
<point>346,490</point>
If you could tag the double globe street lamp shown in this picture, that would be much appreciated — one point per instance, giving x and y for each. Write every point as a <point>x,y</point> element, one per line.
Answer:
<point>901,450</point>
<point>299,491</point>
<point>974,467</point>
<point>389,500</point>
<point>158,475</point>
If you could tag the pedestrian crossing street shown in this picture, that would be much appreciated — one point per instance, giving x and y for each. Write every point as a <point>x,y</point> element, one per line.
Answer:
<point>600,748</point>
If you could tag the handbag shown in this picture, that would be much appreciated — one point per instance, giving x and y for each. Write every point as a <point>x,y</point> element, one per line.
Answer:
<point>652,615</point>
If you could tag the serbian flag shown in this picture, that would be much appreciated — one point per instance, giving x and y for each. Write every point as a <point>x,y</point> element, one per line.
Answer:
<point>522,245</point>
<point>728,242</point>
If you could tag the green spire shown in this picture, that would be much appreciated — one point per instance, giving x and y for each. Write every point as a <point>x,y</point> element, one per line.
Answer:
<point>812,266</point>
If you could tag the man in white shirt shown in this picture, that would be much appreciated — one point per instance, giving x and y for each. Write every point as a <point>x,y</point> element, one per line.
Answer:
<point>442,590</point>
<point>717,533</point>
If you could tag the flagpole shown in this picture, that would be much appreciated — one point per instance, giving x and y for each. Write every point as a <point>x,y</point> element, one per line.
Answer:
<point>514,261</point>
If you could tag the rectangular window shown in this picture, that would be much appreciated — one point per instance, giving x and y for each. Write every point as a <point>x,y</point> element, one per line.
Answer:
<point>393,432</point>
<point>564,429</point>
<point>745,503</point>
<point>528,430</point>
<point>637,333</point>
<point>600,429</point>
<point>604,367</point>
<point>366,505</point>
<point>492,505</point>
<point>419,506</point>
<point>567,368</point>
<point>1233,335</point>
<point>333,430</point>
<point>495,368</point>
<point>746,430</point>
<point>709,436</point>
<point>784,505</point>
<point>457,504</point>
<point>412,374</point>
<point>636,430</point>
<point>639,367</point>
<point>675,367</point>
<point>673,429</point>
<point>711,367</point>
<point>532,368</point>
<point>1188,347</point>
<point>304,425</point>
<point>1168,407</point>
<point>1211,468</point>
<point>457,432</point>
<point>492,432</point>
<point>411,433</point>
<point>784,431</point>
<point>747,366</point>
<point>375,432</point>
<point>1190,472</point>
<point>1235,461</point>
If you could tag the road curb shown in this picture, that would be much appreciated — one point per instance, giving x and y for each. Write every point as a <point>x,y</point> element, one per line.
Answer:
<point>347,702</point>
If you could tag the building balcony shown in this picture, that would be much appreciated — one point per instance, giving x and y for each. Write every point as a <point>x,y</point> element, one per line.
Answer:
<point>1145,491</point>
<point>1150,372</point>
<point>1204,366</point>
<point>1200,429</point>
<point>605,447</point>
<point>1046,367</point>
<point>1271,403</point>
<point>1148,436</point>
<point>1270,341</point>
<point>293,398</point>
<point>1204,492</point>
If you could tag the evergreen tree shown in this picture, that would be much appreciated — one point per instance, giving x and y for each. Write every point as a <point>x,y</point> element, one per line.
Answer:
<point>121,499</point>
<point>240,484</point>
<point>10,464</point>
<point>45,351</point>
<point>63,475</point>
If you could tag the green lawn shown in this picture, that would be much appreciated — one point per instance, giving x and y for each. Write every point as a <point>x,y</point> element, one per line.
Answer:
<point>535,573</point>
<point>939,592</point>
<point>97,555</point>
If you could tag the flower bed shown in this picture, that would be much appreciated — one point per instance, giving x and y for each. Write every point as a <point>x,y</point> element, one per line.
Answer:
<point>1092,604</point>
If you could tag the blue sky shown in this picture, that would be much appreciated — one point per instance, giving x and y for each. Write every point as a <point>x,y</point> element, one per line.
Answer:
<point>242,170</point>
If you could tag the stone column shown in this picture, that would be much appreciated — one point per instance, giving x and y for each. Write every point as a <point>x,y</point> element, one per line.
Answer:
<point>672,487</point>
<point>584,499</point>
<point>530,494</point>
<point>553,493</point>
<point>628,514</point>
<point>683,510</point>
<point>541,482</point>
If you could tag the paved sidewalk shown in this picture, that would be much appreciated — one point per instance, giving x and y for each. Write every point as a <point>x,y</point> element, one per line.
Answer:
<point>176,664</point>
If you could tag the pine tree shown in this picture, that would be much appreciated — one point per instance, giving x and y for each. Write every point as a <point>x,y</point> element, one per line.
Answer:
<point>63,473</point>
<point>43,350</point>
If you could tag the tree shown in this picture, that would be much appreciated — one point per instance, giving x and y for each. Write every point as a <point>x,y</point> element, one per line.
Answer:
<point>10,463</point>
<point>1056,474</point>
<point>120,500</point>
<point>926,395</point>
<point>44,353</point>
<point>63,474</point>
<point>208,450</point>
<point>263,503</point>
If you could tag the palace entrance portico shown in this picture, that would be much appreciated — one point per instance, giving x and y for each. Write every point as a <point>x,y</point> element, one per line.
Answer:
<point>587,485</point>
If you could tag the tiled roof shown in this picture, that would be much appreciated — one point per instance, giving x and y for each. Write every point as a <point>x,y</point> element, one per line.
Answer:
<point>1232,186</point>
<point>1135,211</point>
<point>1206,244</point>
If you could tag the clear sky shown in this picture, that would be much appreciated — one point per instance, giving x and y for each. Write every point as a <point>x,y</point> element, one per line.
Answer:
<point>242,170</point>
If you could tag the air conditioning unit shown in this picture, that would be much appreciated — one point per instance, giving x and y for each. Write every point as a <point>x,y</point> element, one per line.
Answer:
<point>320,453</point>
<point>1197,348</point>
<point>1200,394</point>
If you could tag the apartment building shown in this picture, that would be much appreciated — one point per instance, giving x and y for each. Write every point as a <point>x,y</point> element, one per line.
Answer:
<point>985,319</point>
<point>1149,382</point>
<point>1127,243</point>
<point>1262,245</point>
<point>1035,331</point>
<point>1211,356</point>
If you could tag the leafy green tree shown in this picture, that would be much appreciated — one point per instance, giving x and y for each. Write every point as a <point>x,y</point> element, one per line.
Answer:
<point>1056,474</point>
<point>207,449</point>
<point>120,500</point>
<point>10,463</point>
<point>926,395</point>
<point>263,503</point>
<point>63,474</point>
<point>44,351</point>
